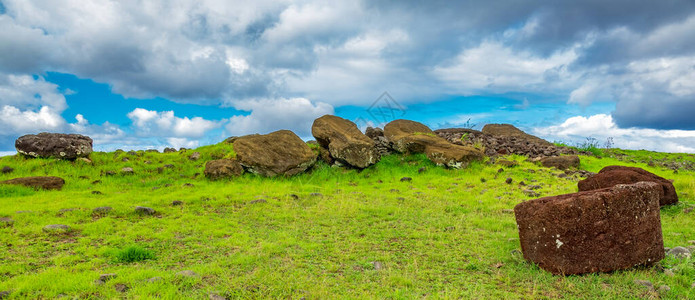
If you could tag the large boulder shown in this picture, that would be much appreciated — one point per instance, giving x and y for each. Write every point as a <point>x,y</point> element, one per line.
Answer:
<point>39,182</point>
<point>561,162</point>
<point>344,141</point>
<point>612,175</point>
<point>509,130</point>
<point>59,145</point>
<point>278,153</point>
<point>222,168</point>
<point>596,231</point>
<point>413,137</point>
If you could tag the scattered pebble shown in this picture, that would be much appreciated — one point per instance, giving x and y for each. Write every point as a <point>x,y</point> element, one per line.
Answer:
<point>214,296</point>
<point>97,193</point>
<point>316,195</point>
<point>531,193</point>
<point>127,171</point>
<point>187,273</point>
<point>500,170</point>
<point>679,252</point>
<point>107,277</point>
<point>102,210</point>
<point>482,180</point>
<point>144,210</point>
<point>176,202</point>
<point>258,201</point>
<point>645,283</point>
<point>56,228</point>
<point>194,156</point>
<point>377,265</point>
<point>404,179</point>
<point>6,222</point>
<point>664,288</point>
<point>7,169</point>
<point>188,185</point>
<point>420,170</point>
<point>294,196</point>
<point>400,198</point>
<point>509,180</point>
<point>4,294</point>
<point>110,173</point>
<point>121,288</point>
<point>669,272</point>
<point>395,191</point>
<point>125,159</point>
<point>154,279</point>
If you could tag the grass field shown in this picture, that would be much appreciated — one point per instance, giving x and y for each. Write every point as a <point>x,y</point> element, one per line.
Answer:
<point>330,233</point>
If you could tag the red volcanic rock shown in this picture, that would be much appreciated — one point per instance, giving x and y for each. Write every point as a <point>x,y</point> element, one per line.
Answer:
<point>595,231</point>
<point>612,175</point>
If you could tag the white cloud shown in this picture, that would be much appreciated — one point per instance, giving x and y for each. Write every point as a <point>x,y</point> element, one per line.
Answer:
<point>492,67</point>
<point>296,114</point>
<point>16,121</point>
<point>601,127</point>
<point>166,124</point>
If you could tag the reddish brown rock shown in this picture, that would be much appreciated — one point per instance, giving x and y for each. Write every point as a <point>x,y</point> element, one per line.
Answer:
<point>413,137</point>
<point>277,153</point>
<point>39,182</point>
<point>595,231</point>
<point>612,175</point>
<point>561,162</point>
<point>345,142</point>
<point>222,168</point>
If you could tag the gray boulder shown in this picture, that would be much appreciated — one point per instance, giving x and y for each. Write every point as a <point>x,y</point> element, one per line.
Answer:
<point>58,145</point>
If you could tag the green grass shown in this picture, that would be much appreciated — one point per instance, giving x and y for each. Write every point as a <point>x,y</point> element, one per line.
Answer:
<point>445,234</point>
<point>132,254</point>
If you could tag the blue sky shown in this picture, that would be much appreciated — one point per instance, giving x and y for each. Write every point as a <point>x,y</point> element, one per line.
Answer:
<point>183,73</point>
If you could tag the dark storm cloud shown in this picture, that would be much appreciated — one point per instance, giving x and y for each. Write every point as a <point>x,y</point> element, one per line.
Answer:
<point>190,51</point>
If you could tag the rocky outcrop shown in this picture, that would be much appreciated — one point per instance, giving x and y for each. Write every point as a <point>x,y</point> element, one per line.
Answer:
<point>278,153</point>
<point>38,182</point>
<point>413,137</point>
<point>381,144</point>
<point>223,168</point>
<point>613,175</point>
<point>596,231</point>
<point>58,145</point>
<point>561,162</point>
<point>509,131</point>
<point>345,142</point>
<point>503,144</point>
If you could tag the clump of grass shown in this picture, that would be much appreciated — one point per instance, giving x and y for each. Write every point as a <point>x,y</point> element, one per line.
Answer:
<point>591,145</point>
<point>133,254</point>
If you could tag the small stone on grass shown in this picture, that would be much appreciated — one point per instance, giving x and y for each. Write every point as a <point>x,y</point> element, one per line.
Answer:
<point>145,210</point>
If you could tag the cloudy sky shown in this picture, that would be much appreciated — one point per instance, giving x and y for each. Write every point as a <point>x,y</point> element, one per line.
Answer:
<point>150,74</point>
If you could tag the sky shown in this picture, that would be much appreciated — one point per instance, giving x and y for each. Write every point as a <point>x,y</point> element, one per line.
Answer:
<point>184,73</point>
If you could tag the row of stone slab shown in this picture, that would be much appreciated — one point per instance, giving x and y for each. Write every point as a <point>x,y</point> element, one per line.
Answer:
<point>613,223</point>
<point>284,153</point>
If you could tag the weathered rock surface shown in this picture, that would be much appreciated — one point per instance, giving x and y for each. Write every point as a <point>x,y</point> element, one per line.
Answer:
<point>503,144</point>
<point>509,130</point>
<point>56,228</point>
<point>38,182</point>
<point>413,137</point>
<point>64,146</point>
<point>344,141</point>
<point>612,175</point>
<point>596,231</point>
<point>278,153</point>
<point>561,162</point>
<point>221,168</point>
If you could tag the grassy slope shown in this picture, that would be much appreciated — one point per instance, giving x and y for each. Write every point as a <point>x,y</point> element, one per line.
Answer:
<point>443,235</point>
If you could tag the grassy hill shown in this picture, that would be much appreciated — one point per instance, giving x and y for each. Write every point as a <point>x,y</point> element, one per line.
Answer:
<point>330,233</point>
